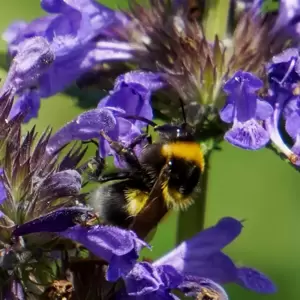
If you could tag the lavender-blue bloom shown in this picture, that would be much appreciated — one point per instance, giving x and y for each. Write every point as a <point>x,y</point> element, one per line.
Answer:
<point>34,57</point>
<point>130,96</point>
<point>29,102</point>
<point>289,12</point>
<point>284,74</point>
<point>197,263</point>
<point>244,109</point>
<point>119,247</point>
<point>71,30</point>
<point>194,265</point>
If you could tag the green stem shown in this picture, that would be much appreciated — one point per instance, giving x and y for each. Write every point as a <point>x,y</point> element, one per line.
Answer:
<point>216,18</point>
<point>192,221</point>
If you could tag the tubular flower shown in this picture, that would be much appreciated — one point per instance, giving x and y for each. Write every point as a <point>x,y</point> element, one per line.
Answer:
<point>244,109</point>
<point>284,75</point>
<point>33,58</point>
<point>130,96</point>
<point>70,29</point>
<point>196,267</point>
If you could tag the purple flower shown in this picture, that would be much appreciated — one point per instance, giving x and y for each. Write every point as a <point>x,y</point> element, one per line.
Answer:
<point>289,12</point>
<point>119,247</point>
<point>244,109</point>
<point>29,102</point>
<point>57,221</point>
<point>131,96</point>
<point>284,74</point>
<point>34,57</point>
<point>73,30</point>
<point>284,68</point>
<point>194,266</point>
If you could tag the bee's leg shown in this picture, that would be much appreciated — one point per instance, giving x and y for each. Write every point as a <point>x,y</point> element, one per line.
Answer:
<point>148,137</point>
<point>114,176</point>
<point>126,152</point>
<point>139,139</point>
<point>94,166</point>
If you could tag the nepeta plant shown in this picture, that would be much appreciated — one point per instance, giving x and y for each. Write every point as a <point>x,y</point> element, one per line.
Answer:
<point>160,59</point>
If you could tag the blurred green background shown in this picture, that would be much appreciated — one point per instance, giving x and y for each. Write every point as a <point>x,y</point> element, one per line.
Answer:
<point>256,186</point>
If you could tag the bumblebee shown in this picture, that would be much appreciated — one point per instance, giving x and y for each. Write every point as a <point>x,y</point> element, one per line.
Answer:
<point>162,177</point>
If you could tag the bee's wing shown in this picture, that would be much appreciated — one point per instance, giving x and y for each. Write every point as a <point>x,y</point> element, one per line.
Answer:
<point>155,210</point>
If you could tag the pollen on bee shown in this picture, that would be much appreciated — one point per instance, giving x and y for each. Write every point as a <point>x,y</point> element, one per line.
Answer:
<point>296,90</point>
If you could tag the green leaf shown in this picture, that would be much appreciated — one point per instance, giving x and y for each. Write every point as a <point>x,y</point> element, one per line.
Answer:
<point>216,18</point>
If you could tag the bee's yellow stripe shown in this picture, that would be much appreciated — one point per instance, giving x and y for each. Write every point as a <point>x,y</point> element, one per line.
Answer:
<point>190,151</point>
<point>136,201</point>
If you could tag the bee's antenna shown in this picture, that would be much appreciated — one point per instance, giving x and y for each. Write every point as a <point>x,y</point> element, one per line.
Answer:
<point>182,109</point>
<point>142,119</point>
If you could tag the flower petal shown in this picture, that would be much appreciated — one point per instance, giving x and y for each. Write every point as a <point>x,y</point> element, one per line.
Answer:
<point>86,126</point>
<point>249,135</point>
<point>218,267</point>
<point>12,32</point>
<point>169,276</point>
<point>292,124</point>
<point>117,246</point>
<point>241,88</point>
<point>150,81</point>
<point>255,281</point>
<point>282,68</point>
<point>143,279</point>
<point>292,105</point>
<point>61,184</point>
<point>201,255</point>
<point>263,110</point>
<point>134,99</point>
<point>245,80</point>
<point>227,112</point>
<point>203,244</point>
<point>29,102</point>
<point>285,56</point>
<point>56,221</point>
<point>34,57</point>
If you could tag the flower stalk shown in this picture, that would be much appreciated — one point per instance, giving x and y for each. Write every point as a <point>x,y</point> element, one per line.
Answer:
<point>216,14</point>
